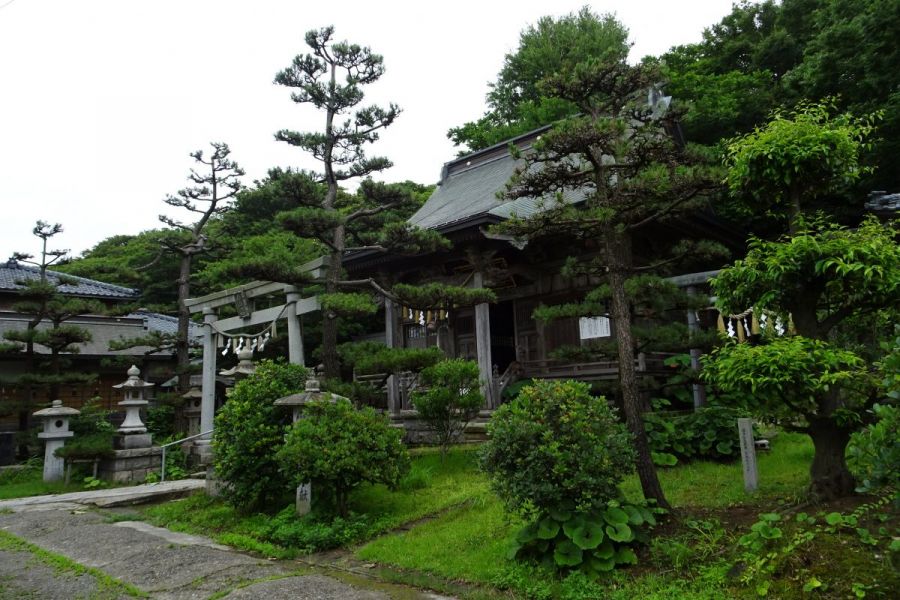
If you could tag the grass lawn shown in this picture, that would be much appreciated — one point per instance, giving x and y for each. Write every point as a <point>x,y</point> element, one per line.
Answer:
<point>429,488</point>
<point>688,560</point>
<point>444,529</point>
<point>29,482</point>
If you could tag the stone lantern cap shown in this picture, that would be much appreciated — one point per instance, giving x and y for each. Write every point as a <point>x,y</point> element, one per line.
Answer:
<point>193,394</point>
<point>134,381</point>
<point>245,364</point>
<point>311,393</point>
<point>57,410</point>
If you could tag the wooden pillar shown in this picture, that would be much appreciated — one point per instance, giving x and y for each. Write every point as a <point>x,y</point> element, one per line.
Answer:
<point>208,389</point>
<point>295,329</point>
<point>699,390</point>
<point>483,346</point>
<point>392,340</point>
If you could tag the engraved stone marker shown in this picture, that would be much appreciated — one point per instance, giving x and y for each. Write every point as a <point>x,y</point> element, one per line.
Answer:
<point>748,454</point>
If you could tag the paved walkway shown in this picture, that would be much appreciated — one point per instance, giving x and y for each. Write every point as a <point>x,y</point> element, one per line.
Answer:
<point>161,563</point>
<point>121,496</point>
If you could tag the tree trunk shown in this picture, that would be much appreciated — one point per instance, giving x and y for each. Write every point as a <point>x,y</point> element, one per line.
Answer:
<point>182,343</point>
<point>330,321</point>
<point>830,477</point>
<point>618,256</point>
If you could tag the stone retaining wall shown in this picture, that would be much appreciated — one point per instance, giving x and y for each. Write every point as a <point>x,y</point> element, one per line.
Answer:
<point>131,466</point>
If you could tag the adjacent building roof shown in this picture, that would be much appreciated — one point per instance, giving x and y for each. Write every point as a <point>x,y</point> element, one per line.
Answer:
<point>13,272</point>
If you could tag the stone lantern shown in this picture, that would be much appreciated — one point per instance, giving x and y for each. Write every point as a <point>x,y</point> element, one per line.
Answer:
<point>244,368</point>
<point>55,433</point>
<point>133,432</point>
<point>311,393</point>
<point>192,409</point>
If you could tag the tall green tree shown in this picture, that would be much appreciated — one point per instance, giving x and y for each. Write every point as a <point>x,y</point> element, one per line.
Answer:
<point>214,184</point>
<point>618,155</point>
<point>331,78</point>
<point>515,102</point>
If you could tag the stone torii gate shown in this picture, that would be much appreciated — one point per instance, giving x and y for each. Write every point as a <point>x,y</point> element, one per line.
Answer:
<point>242,298</point>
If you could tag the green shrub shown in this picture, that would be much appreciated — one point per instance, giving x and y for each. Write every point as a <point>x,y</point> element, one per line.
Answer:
<point>556,455</point>
<point>337,447</point>
<point>249,431</point>
<point>360,393</point>
<point>452,399</point>
<point>93,433</point>
<point>160,421</point>
<point>873,454</point>
<point>709,433</point>
<point>556,445</point>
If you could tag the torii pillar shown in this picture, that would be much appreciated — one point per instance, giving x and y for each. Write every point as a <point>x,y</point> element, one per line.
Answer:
<point>208,387</point>
<point>295,329</point>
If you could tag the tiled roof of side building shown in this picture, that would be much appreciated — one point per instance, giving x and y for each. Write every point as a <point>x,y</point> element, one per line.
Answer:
<point>13,272</point>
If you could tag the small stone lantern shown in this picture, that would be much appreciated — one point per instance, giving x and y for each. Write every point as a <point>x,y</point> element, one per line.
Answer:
<point>311,393</point>
<point>192,409</point>
<point>133,432</point>
<point>55,433</point>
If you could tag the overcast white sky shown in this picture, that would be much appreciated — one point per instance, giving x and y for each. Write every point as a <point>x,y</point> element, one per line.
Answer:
<point>102,100</point>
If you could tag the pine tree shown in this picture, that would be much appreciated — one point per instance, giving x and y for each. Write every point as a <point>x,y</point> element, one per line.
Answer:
<point>213,186</point>
<point>620,156</point>
<point>43,301</point>
<point>331,78</point>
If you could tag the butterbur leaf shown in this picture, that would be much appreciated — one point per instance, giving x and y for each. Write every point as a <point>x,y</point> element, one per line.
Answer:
<point>527,533</point>
<point>615,516</point>
<point>589,536</point>
<point>567,554</point>
<point>620,532</point>
<point>724,447</point>
<point>573,525</point>
<point>634,515</point>
<point>547,528</point>
<point>513,550</point>
<point>603,564</point>
<point>647,514</point>
<point>812,584</point>
<point>626,556</point>
<point>560,514</point>
<point>834,518</point>
<point>605,550</point>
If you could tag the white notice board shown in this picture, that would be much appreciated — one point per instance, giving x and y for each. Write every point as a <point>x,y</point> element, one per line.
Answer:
<point>593,327</point>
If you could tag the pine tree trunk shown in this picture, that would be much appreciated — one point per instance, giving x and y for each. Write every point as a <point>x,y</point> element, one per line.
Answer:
<point>618,256</point>
<point>829,475</point>
<point>182,343</point>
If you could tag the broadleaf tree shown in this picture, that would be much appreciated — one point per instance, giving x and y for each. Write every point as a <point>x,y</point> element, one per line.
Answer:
<point>822,277</point>
<point>619,156</point>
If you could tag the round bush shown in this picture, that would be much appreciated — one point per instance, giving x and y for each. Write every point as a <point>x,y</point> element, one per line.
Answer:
<point>249,431</point>
<point>337,447</point>
<point>556,447</point>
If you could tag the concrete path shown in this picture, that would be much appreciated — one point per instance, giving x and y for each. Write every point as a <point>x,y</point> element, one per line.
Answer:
<point>121,496</point>
<point>163,564</point>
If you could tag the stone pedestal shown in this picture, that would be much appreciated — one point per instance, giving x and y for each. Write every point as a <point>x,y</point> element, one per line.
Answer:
<point>132,465</point>
<point>132,441</point>
<point>201,454</point>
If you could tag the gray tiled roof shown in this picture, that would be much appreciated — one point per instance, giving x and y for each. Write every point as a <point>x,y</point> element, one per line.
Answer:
<point>12,272</point>
<point>469,187</point>
<point>165,323</point>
